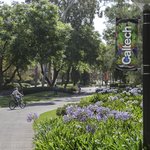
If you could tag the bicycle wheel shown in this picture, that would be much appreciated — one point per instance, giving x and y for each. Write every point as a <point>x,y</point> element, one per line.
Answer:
<point>12,105</point>
<point>22,104</point>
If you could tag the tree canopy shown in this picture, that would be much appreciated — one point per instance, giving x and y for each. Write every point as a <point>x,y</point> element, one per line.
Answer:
<point>58,36</point>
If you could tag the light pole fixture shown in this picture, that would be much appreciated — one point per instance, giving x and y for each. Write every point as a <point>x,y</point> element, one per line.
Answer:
<point>144,5</point>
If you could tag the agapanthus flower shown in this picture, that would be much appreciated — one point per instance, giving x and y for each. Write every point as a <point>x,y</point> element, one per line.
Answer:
<point>31,117</point>
<point>93,112</point>
<point>66,118</point>
<point>98,117</point>
<point>90,128</point>
<point>122,115</point>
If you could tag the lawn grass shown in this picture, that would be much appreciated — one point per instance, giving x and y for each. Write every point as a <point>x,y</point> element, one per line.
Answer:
<point>45,116</point>
<point>41,96</point>
<point>4,100</point>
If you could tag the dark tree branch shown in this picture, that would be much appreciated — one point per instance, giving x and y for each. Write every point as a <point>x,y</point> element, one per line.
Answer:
<point>11,78</point>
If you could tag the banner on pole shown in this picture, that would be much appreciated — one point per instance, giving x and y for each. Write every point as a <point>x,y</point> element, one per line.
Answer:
<point>126,44</point>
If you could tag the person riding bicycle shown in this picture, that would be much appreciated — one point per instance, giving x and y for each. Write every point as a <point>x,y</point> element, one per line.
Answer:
<point>16,94</point>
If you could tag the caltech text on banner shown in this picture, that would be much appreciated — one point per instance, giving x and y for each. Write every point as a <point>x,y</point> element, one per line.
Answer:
<point>126,44</point>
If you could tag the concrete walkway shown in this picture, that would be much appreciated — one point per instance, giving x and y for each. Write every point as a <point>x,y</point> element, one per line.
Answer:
<point>15,132</point>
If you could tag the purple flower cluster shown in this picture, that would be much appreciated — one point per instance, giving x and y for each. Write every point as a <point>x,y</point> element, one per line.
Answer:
<point>90,129</point>
<point>31,117</point>
<point>134,91</point>
<point>93,112</point>
<point>106,90</point>
<point>121,115</point>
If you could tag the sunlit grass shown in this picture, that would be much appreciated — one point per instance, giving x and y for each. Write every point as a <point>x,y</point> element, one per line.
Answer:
<point>45,116</point>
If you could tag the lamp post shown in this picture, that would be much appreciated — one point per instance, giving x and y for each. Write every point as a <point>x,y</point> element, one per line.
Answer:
<point>144,5</point>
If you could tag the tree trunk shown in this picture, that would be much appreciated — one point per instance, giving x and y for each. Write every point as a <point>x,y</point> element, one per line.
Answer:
<point>44,76</point>
<point>20,78</point>
<point>35,75</point>
<point>68,77</point>
<point>55,75</point>
<point>1,65</point>
<point>1,72</point>
<point>62,79</point>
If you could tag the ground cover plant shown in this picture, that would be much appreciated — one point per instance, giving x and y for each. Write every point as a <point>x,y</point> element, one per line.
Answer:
<point>101,122</point>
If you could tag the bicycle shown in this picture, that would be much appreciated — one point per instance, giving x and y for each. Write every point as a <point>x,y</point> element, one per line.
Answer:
<point>15,103</point>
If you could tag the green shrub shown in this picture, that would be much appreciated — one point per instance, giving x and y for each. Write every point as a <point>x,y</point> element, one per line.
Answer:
<point>84,101</point>
<point>61,111</point>
<point>99,97</point>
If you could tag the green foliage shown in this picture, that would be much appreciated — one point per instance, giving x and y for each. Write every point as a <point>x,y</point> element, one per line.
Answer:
<point>73,135</point>
<point>77,13</point>
<point>61,111</point>
<point>99,97</point>
<point>28,32</point>
<point>33,31</point>
<point>93,134</point>
<point>85,101</point>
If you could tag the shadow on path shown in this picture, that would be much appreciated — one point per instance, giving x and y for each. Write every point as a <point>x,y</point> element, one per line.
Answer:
<point>40,104</point>
<point>73,98</point>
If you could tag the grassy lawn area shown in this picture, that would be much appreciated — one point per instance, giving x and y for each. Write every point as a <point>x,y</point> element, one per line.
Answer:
<point>47,115</point>
<point>41,96</point>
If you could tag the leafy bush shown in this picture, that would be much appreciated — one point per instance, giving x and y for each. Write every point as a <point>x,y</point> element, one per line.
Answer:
<point>61,111</point>
<point>85,101</point>
<point>99,97</point>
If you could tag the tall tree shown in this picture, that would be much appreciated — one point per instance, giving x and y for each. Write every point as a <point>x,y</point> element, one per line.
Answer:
<point>77,12</point>
<point>48,34</point>
<point>83,50</point>
<point>6,39</point>
<point>22,52</point>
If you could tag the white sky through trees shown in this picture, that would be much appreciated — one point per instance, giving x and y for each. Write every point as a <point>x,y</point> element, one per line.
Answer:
<point>98,22</point>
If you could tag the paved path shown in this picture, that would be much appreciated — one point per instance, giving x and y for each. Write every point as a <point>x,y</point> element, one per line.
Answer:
<point>15,132</point>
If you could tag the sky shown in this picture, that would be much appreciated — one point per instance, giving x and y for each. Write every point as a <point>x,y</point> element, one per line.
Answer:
<point>98,22</point>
